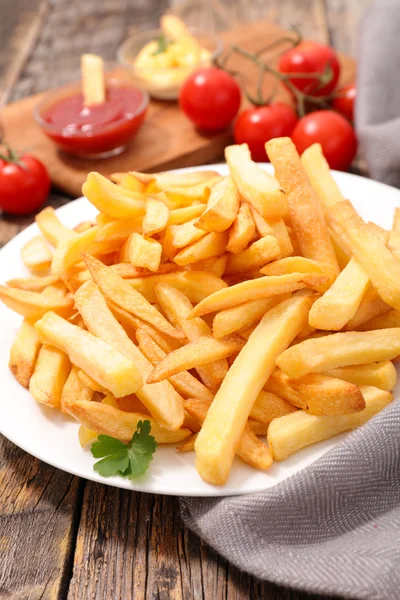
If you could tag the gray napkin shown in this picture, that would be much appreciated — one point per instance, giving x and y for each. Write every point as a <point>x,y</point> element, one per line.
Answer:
<point>334,528</point>
<point>378,87</point>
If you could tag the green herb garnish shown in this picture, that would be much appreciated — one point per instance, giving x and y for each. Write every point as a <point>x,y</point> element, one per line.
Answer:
<point>127,460</point>
<point>162,45</point>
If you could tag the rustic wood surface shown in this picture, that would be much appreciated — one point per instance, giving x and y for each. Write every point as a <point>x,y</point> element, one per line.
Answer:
<point>65,538</point>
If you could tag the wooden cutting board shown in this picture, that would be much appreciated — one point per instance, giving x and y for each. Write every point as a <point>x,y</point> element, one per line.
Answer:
<point>166,140</point>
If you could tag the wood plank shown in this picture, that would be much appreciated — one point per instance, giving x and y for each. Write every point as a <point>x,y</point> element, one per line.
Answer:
<point>20,26</point>
<point>39,506</point>
<point>343,17</point>
<point>133,545</point>
<point>308,16</point>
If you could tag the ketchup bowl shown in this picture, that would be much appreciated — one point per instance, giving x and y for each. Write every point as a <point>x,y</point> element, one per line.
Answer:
<point>96,131</point>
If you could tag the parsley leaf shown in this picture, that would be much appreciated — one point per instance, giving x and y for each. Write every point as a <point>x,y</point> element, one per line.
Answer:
<point>162,45</point>
<point>127,460</point>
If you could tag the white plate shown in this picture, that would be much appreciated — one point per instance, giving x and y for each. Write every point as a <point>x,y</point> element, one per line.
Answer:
<point>52,437</point>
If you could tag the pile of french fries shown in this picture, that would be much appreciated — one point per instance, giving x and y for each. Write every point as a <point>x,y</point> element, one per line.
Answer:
<point>221,309</point>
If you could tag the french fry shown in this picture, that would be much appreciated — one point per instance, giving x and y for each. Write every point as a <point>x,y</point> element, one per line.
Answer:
<point>113,370</point>
<point>343,254</point>
<point>51,371</point>
<point>120,424</point>
<point>240,317</point>
<point>51,227</point>
<point>157,182</point>
<point>91,383</point>
<point>394,237</point>
<point>86,436</point>
<point>128,181</point>
<point>292,264</point>
<point>186,234</point>
<point>180,196</point>
<point>319,174</point>
<point>382,375</point>
<point>371,306</point>
<point>317,394</point>
<point>161,399</point>
<point>24,352</point>
<point>127,320</point>
<point>254,289</point>
<point>32,284</point>
<point>305,208</point>
<point>249,448</point>
<point>212,244</point>
<point>111,199</point>
<point>340,350</point>
<point>188,444</point>
<point>177,307</point>
<point>281,233</point>
<point>257,427</point>
<point>156,217</point>
<point>131,403</point>
<point>255,185</point>
<point>69,252</point>
<point>120,292</point>
<point>143,252</point>
<point>257,255</point>
<point>275,227</point>
<point>36,255</point>
<point>128,271</point>
<point>118,230</point>
<point>185,214</point>
<point>196,285</point>
<point>382,234</point>
<point>84,226</point>
<point>339,304</point>
<point>263,227</point>
<point>386,321</point>
<point>184,383</point>
<point>93,84</point>
<point>222,207</point>
<point>33,305</point>
<point>74,389</point>
<point>228,414</point>
<point>290,433</point>
<point>215,265</point>
<point>56,291</point>
<point>268,406</point>
<point>166,237</point>
<point>242,231</point>
<point>166,343</point>
<point>372,254</point>
<point>199,353</point>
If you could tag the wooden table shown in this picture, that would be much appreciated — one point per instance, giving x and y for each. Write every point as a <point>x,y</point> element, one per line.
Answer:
<point>60,536</point>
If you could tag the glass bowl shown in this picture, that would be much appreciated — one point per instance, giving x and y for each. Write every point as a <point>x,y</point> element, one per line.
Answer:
<point>98,140</point>
<point>165,84</point>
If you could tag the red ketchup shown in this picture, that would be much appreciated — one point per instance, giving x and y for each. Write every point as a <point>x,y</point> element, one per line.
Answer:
<point>97,130</point>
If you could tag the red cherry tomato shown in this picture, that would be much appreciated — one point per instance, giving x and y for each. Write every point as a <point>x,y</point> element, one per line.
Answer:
<point>257,125</point>
<point>333,132</point>
<point>24,184</point>
<point>311,57</point>
<point>344,102</point>
<point>210,98</point>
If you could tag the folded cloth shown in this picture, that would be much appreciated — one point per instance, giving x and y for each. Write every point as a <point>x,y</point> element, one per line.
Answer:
<point>333,528</point>
<point>378,91</point>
